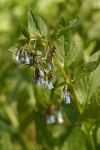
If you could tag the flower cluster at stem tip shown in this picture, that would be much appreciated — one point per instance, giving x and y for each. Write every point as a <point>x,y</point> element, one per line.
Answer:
<point>42,66</point>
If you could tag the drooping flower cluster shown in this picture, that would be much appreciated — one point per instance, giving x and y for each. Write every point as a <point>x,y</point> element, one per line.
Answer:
<point>66,95</point>
<point>41,77</point>
<point>42,66</point>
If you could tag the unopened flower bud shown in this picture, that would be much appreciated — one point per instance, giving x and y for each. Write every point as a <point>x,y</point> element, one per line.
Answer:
<point>27,59</point>
<point>67,98</point>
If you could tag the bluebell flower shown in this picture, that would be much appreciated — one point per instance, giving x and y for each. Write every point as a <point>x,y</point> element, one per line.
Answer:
<point>67,98</point>
<point>59,117</point>
<point>50,119</point>
<point>41,72</point>
<point>42,81</point>
<point>17,57</point>
<point>27,59</point>
<point>48,85</point>
<point>49,67</point>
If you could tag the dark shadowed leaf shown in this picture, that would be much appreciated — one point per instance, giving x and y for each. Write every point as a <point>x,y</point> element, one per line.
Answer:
<point>25,32</point>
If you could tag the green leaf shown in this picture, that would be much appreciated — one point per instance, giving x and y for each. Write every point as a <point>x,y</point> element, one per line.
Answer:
<point>62,27</point>
<point>59,44</point>
<point>92,110</point>
<point>23,42</point>
<point>87,85</point>
<point>13,49</point>
<point>61,84</point>
<point>6,143</point>
<point>70,50</point>
<point>36,25</point>
<point>25,32</point>
<point>85,69</point>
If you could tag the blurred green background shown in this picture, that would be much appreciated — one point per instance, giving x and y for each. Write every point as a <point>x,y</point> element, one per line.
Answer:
<point>22,105</point>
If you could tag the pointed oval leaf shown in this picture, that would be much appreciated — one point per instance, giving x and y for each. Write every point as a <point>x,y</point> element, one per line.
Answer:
<point>85,69</point>
<point>13,49</point>
<point>87,84</point>
<point>70,50</point>
<point>59,44</point>
<point>62,27</point>
<point>36,25</point>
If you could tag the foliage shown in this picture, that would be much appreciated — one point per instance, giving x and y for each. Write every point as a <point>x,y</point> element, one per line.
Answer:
<point>29,113</point>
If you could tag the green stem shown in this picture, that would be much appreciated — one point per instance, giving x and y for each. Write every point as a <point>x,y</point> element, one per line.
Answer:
<point>89,136</point>
<point>9,111</point>
<point>67,81</point>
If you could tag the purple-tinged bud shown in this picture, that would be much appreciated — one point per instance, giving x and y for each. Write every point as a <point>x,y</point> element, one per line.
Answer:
<point>27,59</point>
<point>59,117</point>
<point>67,98</point>
<point>50,119</point>
<point>49,67</point>
<point>42,80</point>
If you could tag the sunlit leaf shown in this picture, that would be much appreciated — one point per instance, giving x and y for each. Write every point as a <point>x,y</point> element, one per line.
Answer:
<point>61,84</point>
<point>13,49</point>
<point>85,69</point>
<point>87,85</point>
<point>70,50</point>
<point>36,25</point>
<point>59,44</point>
<point>63,27</point>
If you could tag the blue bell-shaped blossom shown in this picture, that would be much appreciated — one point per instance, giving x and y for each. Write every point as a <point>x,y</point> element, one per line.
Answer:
<point>17,57</point>
<point>41,73</point>
<point>42,81</point>
<point>27,59</point>
<point>50,119</point>
<point>50,85</point>
<point>59,117</point>
<point>67,98</point>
